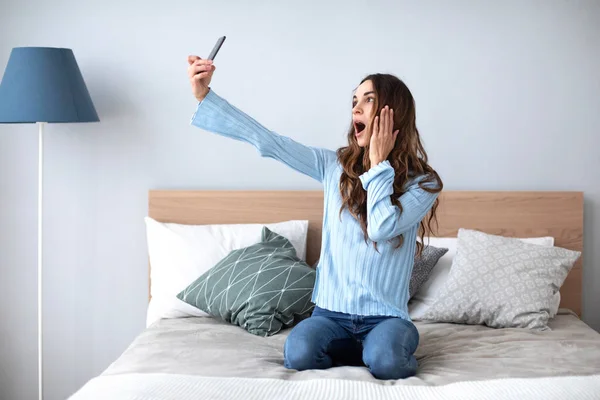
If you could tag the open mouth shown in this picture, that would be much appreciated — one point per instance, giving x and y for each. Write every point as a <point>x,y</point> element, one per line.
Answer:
<point>359,127</point>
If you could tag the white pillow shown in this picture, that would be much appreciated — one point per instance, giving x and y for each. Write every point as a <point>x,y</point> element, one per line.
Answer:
<point>427,294</point>
<point>179,254</point>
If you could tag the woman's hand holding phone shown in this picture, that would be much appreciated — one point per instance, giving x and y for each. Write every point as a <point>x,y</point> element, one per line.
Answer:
<point>200,73</point>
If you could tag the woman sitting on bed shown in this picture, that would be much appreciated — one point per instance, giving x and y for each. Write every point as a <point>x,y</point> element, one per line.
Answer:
<point>380,193</point>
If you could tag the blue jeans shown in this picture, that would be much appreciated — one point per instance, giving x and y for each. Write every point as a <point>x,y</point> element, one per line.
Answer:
<point>385,345</point>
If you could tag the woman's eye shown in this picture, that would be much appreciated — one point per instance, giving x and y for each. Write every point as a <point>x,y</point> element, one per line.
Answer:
<point>369,100</point>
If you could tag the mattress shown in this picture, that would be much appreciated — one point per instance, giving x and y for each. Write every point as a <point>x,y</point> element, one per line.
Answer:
<point>448,354</point>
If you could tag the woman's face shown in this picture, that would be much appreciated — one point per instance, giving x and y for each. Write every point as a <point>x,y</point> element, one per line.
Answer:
<point>363,107</point>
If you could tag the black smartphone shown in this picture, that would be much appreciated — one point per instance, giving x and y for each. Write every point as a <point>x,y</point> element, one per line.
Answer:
<point>216,49</point>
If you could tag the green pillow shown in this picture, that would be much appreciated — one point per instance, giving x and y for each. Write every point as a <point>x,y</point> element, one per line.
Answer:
<point>261,288</point>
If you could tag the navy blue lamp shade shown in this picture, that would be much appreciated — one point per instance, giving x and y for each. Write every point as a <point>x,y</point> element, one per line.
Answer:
<point>44,84</point>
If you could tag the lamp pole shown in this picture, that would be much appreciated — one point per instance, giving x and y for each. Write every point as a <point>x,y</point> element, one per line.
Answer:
<point>40,259</point>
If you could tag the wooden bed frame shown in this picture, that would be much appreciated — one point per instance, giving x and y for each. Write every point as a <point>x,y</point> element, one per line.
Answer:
<point>516,214</point>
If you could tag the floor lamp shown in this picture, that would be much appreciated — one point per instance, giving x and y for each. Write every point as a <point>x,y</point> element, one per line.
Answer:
<point>43,85</point>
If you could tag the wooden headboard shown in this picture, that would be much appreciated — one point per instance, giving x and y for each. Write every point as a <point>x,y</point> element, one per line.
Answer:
<point>516,214</point>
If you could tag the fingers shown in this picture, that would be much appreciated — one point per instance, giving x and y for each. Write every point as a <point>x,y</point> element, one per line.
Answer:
<point>384,121</point>
<point>200,68</point>
<point>195,60</point>
<point>201,76</point>
<point>192,59</point>
<point>195,69</point>
<point>384,124</point>
<point>200,61</point>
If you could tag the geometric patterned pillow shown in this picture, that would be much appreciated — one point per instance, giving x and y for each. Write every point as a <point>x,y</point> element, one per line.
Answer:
<point>501,282</point>
<point>423,266</point>
<point>261,288</point>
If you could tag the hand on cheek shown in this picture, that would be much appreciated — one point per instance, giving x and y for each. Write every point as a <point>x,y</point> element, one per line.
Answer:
<point>382,138</point>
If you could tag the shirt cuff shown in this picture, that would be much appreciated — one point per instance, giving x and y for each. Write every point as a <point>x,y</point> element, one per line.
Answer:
<point>210,98</point>
<point>383,167</point>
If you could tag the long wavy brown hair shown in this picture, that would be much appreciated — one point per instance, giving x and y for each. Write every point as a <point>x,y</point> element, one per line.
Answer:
<point>408,157</point>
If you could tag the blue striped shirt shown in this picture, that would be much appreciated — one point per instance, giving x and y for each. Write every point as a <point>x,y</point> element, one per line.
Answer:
<point>352,276</point>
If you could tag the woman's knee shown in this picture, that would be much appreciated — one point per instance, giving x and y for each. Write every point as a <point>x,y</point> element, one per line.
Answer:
<point>389,348</point>
<point>387,364</point>
<point>303,349</point>
<point>298,353</point>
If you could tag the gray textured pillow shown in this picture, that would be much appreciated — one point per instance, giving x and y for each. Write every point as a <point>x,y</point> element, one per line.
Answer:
<point>501,282</point>
<point>261,288</point>
<point>423,266</point>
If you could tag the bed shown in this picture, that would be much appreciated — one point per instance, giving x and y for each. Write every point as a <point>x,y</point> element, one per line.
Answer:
<point>202,357</point>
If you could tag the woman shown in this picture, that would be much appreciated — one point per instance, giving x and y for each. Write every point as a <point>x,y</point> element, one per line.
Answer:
<point>378,190</point>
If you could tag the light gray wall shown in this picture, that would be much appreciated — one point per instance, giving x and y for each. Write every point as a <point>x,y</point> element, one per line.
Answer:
<point>507,99</point>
